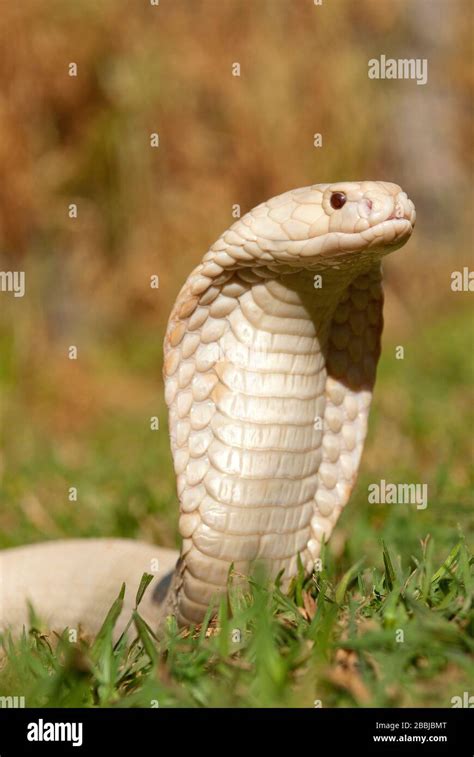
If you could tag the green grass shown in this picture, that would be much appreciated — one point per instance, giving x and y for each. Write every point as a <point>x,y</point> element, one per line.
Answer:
<point>397,637</point>
<point>387,622</point>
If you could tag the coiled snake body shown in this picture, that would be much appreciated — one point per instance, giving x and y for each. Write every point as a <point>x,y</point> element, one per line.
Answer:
<point>270,359</point>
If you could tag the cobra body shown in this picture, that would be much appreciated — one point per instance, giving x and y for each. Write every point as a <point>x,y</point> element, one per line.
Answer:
<point>270,359</point>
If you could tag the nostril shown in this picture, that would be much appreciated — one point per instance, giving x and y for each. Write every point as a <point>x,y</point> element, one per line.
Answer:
<point>399,210</point>
<point>365,208</point>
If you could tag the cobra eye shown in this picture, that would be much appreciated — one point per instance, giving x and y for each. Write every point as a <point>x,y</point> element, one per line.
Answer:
<point>338,199</point>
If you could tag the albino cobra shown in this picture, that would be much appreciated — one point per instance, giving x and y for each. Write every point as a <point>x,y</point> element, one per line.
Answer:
<point>270,360</point>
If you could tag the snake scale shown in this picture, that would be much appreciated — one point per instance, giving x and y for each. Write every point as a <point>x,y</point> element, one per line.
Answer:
<point>270,358</point>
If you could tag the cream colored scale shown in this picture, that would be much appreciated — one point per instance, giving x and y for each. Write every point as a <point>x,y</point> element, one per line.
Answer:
<point>270,359</point>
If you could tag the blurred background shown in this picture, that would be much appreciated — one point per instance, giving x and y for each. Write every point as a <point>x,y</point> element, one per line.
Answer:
<point>223,140</point>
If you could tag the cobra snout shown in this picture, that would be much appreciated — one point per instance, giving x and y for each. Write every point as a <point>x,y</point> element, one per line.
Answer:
<point>403,208</point>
